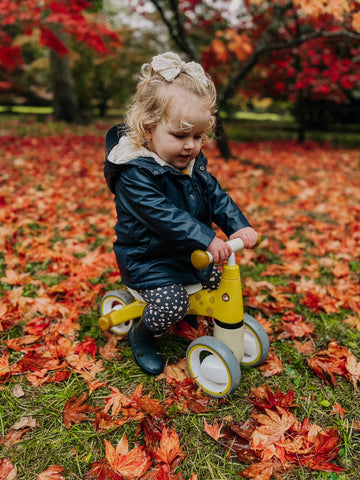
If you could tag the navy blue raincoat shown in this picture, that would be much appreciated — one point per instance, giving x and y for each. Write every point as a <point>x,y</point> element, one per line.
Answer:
<point>163,214</point>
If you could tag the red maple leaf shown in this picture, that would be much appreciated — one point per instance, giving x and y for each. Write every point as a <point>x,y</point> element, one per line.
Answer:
<point>331,361</point>
<point>264,397</point>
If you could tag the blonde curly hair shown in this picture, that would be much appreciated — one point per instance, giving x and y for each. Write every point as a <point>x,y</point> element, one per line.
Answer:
<point>153,97</point>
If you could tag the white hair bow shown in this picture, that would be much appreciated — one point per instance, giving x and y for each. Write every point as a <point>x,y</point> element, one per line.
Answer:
<point>169,65</point>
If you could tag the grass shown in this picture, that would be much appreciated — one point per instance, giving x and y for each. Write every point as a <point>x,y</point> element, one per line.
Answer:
<point>76,448</point>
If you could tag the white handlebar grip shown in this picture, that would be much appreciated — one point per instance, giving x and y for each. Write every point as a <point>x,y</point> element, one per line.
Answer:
<point>236,244</point>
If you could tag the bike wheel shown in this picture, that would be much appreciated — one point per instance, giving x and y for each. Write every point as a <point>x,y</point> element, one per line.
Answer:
<point>213,366</point>
<point>256,342</point>
<point>115,300</point>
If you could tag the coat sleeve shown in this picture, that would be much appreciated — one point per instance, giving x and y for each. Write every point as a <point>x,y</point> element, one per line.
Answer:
<point>226,213</point>
<point>138,193</point>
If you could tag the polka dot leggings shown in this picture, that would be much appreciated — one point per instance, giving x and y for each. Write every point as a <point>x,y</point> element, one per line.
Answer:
<point>166,306</point>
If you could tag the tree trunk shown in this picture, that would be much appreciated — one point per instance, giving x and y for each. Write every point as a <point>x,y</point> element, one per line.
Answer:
<point>302,119</point>
<point>221,140</point>
<point>66,105</point>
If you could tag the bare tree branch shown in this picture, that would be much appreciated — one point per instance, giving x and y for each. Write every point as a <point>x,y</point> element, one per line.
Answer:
<point>176,29</point>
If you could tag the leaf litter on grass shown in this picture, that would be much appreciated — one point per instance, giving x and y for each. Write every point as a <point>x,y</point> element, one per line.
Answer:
<point>56,233</point>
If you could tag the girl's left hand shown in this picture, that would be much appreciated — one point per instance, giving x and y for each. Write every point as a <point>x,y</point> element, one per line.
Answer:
<point>248,235</point>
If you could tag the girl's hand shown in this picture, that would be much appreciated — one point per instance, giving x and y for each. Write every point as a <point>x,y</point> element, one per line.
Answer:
<point>248,235</point>
<point>220,250</point>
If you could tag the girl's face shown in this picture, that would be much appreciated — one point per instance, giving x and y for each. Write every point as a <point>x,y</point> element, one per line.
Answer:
<point>170,141</point>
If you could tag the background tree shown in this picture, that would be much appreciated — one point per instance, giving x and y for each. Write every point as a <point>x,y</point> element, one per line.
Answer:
<point>55,22</point>
<point>231,46</point>
<point>110,80</point>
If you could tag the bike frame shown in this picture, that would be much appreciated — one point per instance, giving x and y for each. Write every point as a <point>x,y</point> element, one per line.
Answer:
<point>224,305</point>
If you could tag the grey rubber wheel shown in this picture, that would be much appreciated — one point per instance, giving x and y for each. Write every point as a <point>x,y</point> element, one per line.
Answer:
<point>213,366</point>
<point>115,300</point>
<point>256,342</point>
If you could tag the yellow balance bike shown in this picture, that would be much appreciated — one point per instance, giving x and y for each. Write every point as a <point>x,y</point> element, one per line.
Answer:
<point>238,338</point>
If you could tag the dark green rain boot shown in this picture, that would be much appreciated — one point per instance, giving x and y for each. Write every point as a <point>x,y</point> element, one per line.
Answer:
<point>143,342</point>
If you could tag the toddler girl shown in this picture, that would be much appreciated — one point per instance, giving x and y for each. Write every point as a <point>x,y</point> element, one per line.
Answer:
<point>166,201</point>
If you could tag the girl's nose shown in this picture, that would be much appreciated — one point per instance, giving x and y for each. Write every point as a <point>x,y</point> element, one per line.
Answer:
<point>189,143</point>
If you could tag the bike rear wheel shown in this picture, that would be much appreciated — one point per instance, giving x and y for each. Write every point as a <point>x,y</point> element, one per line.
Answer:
<point>115,300</point>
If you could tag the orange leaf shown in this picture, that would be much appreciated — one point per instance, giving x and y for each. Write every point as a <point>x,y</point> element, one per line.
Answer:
<point>214,430</point>
<point>337,409</point>
<point>75,409</point>
<point>8,471</point>
<point>115,402</point>
<point>259,471</point>
<point>272,365</point>
<point>169,447</point>
<point>130,465</point>
<point>52,473</point>
<point>272,429</point>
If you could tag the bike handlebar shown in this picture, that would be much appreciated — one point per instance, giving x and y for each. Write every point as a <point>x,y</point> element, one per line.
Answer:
<point>201,259</point>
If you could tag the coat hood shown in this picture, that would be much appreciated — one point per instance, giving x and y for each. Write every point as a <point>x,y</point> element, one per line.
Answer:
<point>120,152</point>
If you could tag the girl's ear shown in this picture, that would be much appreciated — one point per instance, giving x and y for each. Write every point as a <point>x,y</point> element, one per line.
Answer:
<point>148,133</point>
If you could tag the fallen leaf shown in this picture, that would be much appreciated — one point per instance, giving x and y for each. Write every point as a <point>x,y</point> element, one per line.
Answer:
<point>259,471</point>
<point>130,465</point>
<point>25,422</point>
<point>8,470</point>
<point>272,429</point>
<point>52,473</point>
<point>337,409</point>
<point>272,365</point>
<point>214,430</point>
<point>75,410</point>
<point>18,391</point>
<point>169,448</point>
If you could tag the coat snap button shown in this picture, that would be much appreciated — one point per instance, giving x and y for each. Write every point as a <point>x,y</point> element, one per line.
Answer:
<point>192,196</point>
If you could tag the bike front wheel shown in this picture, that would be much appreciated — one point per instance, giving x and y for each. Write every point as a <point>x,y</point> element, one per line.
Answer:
<point>256,342</point>
<point>213,366</point>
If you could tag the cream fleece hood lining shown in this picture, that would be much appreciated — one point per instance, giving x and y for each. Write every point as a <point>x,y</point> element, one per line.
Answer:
<point>124,152</point>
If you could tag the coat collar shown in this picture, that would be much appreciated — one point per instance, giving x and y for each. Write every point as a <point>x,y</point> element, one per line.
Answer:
<point>124,152</point>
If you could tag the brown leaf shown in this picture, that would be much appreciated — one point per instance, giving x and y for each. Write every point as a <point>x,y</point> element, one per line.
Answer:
<point>26,422</point>
<point>353,369</point>
<point>102,471</point>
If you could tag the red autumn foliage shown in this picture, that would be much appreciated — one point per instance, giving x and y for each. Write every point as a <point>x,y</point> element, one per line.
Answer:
<point>73,17</point>
<point>274,441</point>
